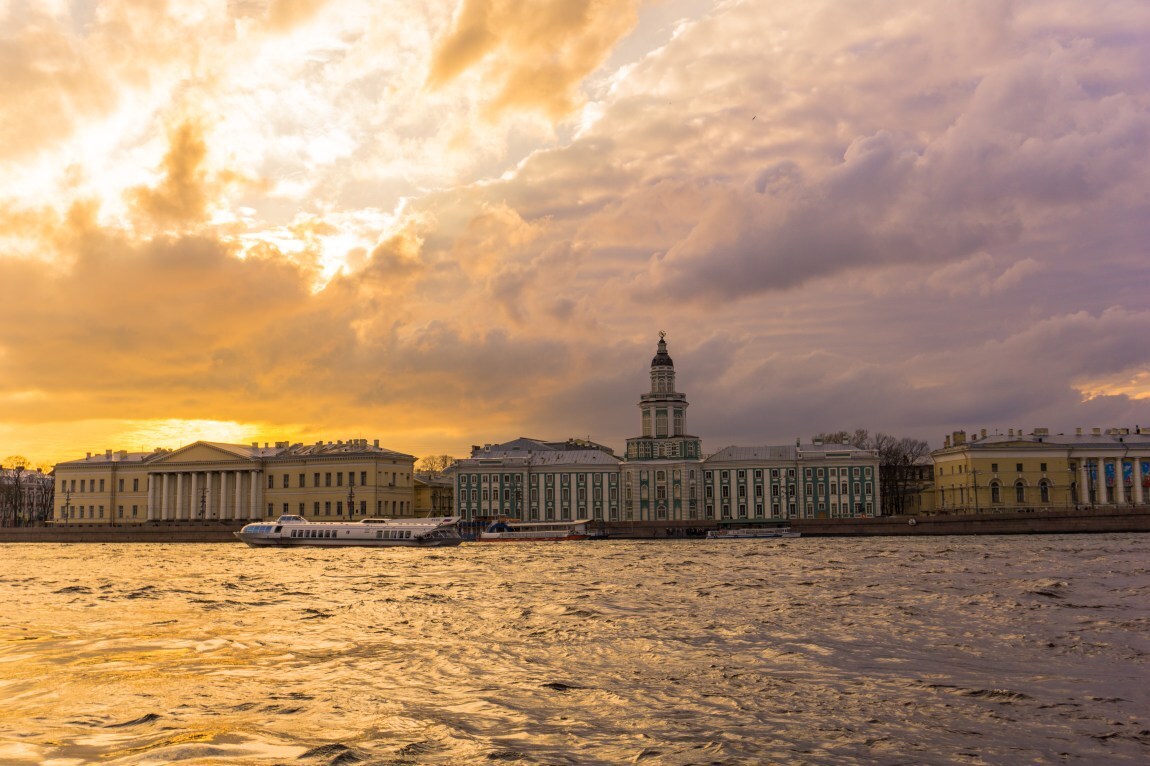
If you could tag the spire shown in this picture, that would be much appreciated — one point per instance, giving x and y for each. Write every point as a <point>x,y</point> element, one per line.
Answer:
<point>662,358</point>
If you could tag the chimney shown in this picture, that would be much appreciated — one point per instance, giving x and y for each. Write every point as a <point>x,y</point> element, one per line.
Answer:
<point>946,442</point>
<point>1096,431</point>
<point>107,454</point>
<point>1078,431</point>
<point>255,444</point>
<point>982,433</point>
<point>959,438</point>
<point>1010,432</point>
<point>377,442</point>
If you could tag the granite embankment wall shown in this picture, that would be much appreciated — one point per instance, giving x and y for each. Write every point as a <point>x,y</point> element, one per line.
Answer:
<point>220,532</point>
<point>1045,522</point>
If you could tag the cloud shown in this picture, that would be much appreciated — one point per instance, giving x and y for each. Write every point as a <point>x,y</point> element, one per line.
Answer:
<point>468,220</point>
<point>181,197</point>
<point>536,54</point>
<point>283,15</point>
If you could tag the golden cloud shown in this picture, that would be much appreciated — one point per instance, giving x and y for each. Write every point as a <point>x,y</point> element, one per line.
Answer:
<point>537,54</point>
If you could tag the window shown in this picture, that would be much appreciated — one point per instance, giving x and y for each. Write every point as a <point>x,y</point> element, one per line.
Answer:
<point>1042,467</point>
<point>135,485</point>
<point>271,482</point>
<point>101,489</point>
<point>994,467</point>
<point>995,493</point>
<point>120,486</point>
<point>327,479</point>
<point>303,480</point>
<point>339,478</point>
<point>1019,492</point>
<point>315,507</point>
<point>1018,467</point>
<point>327,508</point>
<point>1044,490</point>
<point>363,478</point>
<point>286,481</point>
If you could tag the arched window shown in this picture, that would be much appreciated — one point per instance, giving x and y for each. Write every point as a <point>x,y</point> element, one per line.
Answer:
<point>1019,492</point>
<point>1044,490</point>
<point>995,492</point>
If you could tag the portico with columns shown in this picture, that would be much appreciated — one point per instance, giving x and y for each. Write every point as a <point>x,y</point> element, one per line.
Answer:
<point>208,482</point>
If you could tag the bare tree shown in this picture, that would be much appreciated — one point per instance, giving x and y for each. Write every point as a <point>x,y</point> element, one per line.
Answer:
<point>898,460</point>
<point>434,464</point>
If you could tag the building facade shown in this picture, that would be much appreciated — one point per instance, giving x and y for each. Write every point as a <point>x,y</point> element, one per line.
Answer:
<point>25,496</point>
<point>804,481</point>
<point>207,481</point>
<point>665,476</point>
<point>535,480</point>
<point>434,495</point>
<point>1020,471</point>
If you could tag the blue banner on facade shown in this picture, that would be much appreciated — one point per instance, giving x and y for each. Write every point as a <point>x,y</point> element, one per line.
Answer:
<point>1109,474</point>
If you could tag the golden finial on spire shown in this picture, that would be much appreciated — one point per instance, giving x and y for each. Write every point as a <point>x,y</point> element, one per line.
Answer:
<point>662,334</point>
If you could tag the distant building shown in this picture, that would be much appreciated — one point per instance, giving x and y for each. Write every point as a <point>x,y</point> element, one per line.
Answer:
<point>213,481</point>
<point>665,476</point>
<point>25,496</point>
<point>1017,471</point>
<point>531,479</point>
<point>434,494</point>
<point>803,481</point>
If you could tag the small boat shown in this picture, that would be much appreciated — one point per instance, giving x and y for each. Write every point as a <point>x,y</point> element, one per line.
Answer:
<point>520,531</point>
<point>290,530</point>
<point>751,534</point>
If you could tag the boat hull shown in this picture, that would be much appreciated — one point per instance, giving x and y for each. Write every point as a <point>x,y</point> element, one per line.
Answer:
<point>259,542</point>
<point>290,531</point>
<point>502,537</point>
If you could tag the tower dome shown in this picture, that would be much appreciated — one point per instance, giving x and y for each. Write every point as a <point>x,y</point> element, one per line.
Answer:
<point>662,358</point>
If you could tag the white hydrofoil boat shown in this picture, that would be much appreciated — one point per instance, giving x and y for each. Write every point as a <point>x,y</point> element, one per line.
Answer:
<point>290,530</point>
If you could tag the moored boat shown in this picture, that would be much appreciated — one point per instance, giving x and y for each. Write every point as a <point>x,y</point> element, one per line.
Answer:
<point>751,534</point>
<point>290,530</point>
<point>526,531</point>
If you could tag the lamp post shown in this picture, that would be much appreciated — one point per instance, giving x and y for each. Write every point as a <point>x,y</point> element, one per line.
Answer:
<point>67,506</point>
<point>19,499</point>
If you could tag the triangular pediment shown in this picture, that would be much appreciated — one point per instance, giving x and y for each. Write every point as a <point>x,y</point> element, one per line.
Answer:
<point>207,452</point>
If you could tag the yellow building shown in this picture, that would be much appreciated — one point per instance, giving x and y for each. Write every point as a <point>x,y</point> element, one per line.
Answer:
<point>1032,471</point>
<point>208,481</point>
<point>434,495</point>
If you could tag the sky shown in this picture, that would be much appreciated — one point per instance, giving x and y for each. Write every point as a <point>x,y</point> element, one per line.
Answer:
<point>456,222</point>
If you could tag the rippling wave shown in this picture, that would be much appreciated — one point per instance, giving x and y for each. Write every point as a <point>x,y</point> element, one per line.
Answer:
<point>1002,650</point>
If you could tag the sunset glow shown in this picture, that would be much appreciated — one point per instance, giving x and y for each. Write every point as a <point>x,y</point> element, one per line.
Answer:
<point>455,222</point>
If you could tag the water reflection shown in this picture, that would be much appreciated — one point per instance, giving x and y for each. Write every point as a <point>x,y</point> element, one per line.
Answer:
<point>1004,650</point>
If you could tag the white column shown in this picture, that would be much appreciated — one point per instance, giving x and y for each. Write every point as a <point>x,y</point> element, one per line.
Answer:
<point>151,498</point>
<point>164,499</point>
<point>223,499</point>
<point>237,511</point>
<point>255,512</point>
<point>1138,498</point>
<point>209,497</point>
<point>1083,483</point>
<point>1119,485</point>
<point>182,510</point>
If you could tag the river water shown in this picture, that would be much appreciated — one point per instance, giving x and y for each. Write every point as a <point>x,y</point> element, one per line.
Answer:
<point>971,650</point>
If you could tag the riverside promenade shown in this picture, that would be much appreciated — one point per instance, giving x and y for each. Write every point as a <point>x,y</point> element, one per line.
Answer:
<point>1039,522</point>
